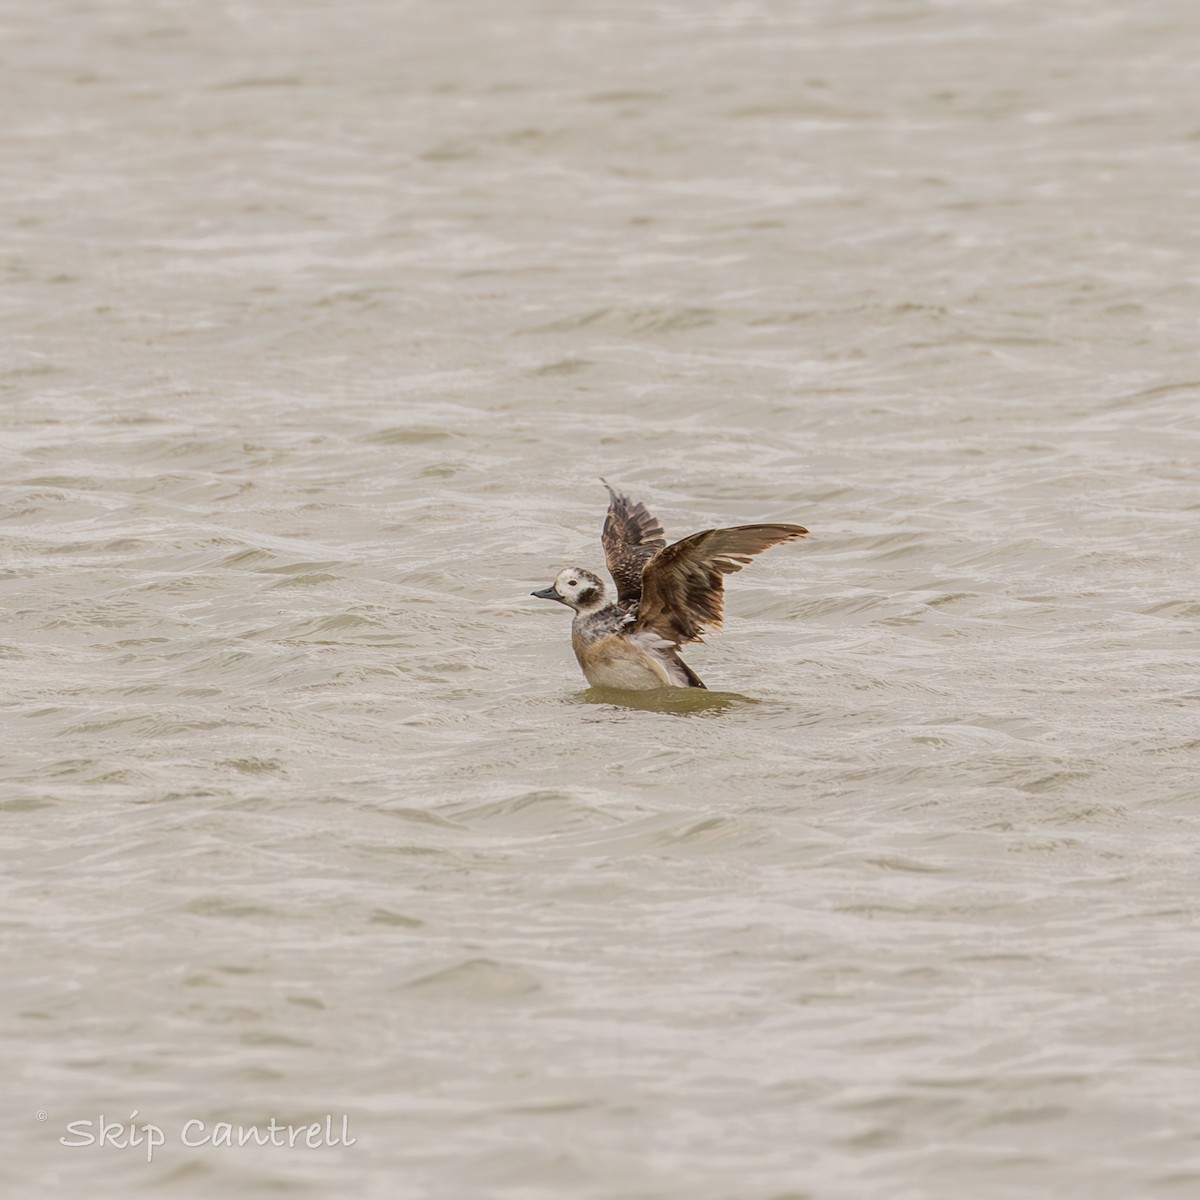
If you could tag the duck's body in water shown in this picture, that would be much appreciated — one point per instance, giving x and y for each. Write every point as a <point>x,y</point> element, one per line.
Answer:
<point>666,596</point>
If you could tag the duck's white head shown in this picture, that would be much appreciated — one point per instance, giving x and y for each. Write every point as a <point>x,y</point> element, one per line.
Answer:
<point>577,588</point>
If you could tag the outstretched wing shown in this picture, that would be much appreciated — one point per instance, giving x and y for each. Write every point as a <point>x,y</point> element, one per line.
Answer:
<point>631,537</point>
<point>683,588</point>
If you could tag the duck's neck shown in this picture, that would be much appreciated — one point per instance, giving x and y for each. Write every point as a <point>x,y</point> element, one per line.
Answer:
<point>598,621</point>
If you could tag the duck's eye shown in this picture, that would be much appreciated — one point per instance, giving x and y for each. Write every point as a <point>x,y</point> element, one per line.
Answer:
<point>572,583</point>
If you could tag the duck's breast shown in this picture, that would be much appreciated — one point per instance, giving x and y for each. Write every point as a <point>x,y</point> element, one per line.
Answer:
<point>617,662</point>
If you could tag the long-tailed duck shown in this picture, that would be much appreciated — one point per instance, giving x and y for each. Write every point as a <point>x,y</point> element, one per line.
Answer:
<point>666,595</point>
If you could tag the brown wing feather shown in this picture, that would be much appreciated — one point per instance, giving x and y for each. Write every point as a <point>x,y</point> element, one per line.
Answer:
<point>683,589</point>
<point>632,537</point>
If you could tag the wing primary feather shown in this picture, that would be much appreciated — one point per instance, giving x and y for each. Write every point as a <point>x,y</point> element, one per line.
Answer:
<point>631,537</point>
<point>683,588</point>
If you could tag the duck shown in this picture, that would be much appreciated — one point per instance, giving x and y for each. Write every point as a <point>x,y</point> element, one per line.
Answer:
<point>666,595</point>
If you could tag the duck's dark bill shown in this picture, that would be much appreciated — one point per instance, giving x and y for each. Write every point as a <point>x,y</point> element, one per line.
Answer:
<point>548,593</point>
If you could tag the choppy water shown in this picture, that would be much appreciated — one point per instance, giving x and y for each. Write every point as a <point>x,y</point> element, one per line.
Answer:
<point>319,323</point>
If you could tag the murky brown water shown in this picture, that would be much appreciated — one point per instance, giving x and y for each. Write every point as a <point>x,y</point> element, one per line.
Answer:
<point>319,323</point>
